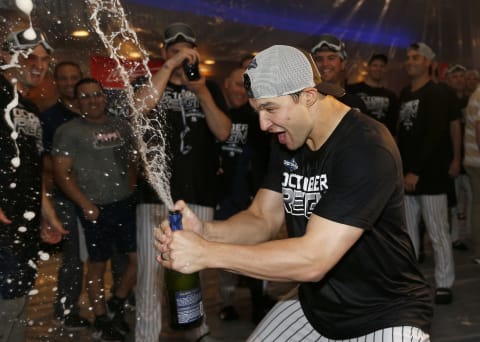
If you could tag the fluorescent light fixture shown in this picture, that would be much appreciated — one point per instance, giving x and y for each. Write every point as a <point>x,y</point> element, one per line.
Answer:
<point>80,33</point>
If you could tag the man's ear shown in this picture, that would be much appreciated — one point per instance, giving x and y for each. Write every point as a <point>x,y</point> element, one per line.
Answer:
<point>311,96</point>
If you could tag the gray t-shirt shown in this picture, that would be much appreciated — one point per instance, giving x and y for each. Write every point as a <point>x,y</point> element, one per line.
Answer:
<point>101,156</point>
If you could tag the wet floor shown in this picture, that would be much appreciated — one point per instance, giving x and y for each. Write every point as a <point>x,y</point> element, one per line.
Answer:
<point>458,322</point>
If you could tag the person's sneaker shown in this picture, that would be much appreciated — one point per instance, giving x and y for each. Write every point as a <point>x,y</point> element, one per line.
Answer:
<point>75,322</point>
<point>443,296</point>
<point>459,245</point>
<point>228,313</point>
<point>105,330</point>
<point>116,311</point>
<point>120,324</point>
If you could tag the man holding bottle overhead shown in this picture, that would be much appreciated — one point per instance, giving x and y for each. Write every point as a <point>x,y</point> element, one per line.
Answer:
<point>193,113</point>
<point>335,179</point>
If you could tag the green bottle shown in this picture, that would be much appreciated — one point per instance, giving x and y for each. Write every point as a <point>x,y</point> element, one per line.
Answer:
<point>184,291</point>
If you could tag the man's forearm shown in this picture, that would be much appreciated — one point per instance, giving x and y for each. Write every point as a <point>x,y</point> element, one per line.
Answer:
<point>147,96</point>
<point>70,188</point>
<point>246,227</point>
<point>217,121</point>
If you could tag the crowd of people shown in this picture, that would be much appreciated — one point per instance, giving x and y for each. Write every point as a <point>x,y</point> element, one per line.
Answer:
<point>352,171</point>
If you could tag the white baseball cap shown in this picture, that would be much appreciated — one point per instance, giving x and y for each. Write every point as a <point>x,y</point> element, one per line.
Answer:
<point>283,70</point>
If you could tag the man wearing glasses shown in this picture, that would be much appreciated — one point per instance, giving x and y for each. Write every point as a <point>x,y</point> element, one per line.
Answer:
<point>94,165</point>
<point>23,201</point>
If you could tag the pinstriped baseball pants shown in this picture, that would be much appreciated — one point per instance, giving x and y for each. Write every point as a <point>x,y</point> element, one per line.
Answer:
<point>434,210</point>
<point>148,292</point>
<point>286,322</point>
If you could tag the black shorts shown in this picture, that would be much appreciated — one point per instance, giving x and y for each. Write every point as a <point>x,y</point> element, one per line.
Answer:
<point>115,225</point>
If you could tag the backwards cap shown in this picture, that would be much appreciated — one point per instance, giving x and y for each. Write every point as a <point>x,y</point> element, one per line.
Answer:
<point>179,32</point>
<point>423,49</point>
<point>26,39</point>
<point>283,70</point>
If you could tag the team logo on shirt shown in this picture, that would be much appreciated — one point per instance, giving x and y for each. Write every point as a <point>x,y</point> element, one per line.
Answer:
<point>302,193</point>
<point>236,140</point>
<point>27,123</point>
<point>376,105</point>
<point>291,165</point>
<point>107,139</point>
<point>408,113</point>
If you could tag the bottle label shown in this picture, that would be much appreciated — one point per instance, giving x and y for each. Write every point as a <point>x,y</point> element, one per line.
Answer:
<point>189,305</point>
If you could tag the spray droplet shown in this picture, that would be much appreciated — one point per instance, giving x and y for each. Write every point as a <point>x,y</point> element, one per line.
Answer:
<point>25,6</point>
<point>33,292</point>
<point>15,162</point>
<point>14,135</point>
<point>22,229</point>
<point>13,185</point>
<point>29,215</point>
<point>43,256</point>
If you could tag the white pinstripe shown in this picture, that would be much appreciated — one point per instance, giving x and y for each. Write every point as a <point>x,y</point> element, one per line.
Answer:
<point>148,292</point>
<point>434,210</point>
<point>286,322</point>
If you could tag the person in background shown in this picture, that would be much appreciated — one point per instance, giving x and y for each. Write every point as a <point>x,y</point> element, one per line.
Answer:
<point>381,103</point>
<point>70,273</point>
<point>426,149</point>
<point>472,165</point>
<point>94,164</point>
<point>330,56</point>
<point>335,179</point>
<point>243,158</point>
<point>195,119</point>
<point>460,222</point>
<point>24,204</point>
<point>472,79</point>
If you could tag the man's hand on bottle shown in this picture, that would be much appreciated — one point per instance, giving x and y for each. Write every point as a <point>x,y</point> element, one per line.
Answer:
<point>183,251</point>
<point>177,249</point>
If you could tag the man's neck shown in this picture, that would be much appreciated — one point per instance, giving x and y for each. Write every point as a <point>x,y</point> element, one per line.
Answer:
<point>69,104</point>
<point>418,82</point>
<point>373,83</point>
<point>177,77</point>
<point>329,113</point>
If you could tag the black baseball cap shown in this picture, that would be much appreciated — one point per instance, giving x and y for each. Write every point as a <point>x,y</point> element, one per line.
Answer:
<point>179,32</point>
<point>378,56</point>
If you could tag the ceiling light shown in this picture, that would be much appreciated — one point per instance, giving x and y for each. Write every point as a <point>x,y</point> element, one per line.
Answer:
<point>80,33</point>
<point>209,61</point>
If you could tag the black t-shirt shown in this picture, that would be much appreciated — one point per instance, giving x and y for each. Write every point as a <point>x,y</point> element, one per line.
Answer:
<point>381,103</point>
<point>53,118</point>
<point>353,101</point>
<point>20,189</point>
<point>356,179</point>
<point>424,137</point>
<point>244,158</point>
<point>191,147</point>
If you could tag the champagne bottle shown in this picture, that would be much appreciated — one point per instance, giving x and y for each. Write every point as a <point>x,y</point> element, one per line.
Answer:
<point>184,291</point>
